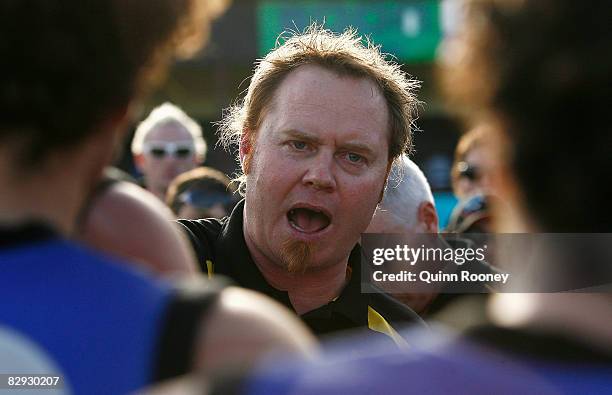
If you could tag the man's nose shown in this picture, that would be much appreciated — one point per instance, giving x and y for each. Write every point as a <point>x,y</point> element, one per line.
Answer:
<point>320,174</point>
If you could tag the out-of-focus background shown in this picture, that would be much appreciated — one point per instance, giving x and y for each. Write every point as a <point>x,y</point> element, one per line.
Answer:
<point>410,30</point>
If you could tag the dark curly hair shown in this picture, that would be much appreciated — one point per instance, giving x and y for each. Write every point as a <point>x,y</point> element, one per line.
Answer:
<point>67,64</point>
<point>543,69</point>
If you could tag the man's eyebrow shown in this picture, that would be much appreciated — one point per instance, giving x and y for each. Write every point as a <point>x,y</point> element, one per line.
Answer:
<point>358,147</point>
<point>361,148</point>
<point>296,134</point>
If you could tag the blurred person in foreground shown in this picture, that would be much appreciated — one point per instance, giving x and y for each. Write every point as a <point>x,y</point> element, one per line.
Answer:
<point>167,143</point>
<point>324,118</point>
<point>203,192</point>
<point>108,329</point>
<point>543,80</point>
<point>122,219</point>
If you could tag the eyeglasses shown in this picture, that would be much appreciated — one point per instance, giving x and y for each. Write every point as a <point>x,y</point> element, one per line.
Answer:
<point>468,171</point>
<point>159,149</point>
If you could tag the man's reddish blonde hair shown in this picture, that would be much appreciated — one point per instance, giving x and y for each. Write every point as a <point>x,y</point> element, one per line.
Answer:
<point>347,54</point>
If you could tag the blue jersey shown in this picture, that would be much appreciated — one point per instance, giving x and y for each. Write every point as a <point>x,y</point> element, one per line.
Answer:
<point>99,321</point>
<point>436,365</point>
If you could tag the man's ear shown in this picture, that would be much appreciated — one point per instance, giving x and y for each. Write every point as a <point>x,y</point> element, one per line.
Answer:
<point>428,217</point>
<point>245,150</point>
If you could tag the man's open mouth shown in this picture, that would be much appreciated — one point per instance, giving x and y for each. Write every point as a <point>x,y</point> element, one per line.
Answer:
<point>308,220</point>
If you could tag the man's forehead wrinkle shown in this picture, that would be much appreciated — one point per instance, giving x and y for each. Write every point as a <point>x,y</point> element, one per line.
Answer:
<point>302,106</point>
<point>315,75</point>
<point>297,119</point>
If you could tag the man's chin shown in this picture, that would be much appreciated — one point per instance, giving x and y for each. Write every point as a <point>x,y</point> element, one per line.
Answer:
<point>296,255</point>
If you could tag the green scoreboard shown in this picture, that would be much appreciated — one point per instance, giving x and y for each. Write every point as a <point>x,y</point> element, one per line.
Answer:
<point>410,30</point>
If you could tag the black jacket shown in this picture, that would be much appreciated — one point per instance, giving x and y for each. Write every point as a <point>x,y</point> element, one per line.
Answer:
<point>221,249</point>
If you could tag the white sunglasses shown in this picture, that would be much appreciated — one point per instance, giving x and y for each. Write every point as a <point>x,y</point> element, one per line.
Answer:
<point>159,149</point>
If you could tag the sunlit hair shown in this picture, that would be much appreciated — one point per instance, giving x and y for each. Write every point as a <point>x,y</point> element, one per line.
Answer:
<point>165,114</point>
<point>347,54</point>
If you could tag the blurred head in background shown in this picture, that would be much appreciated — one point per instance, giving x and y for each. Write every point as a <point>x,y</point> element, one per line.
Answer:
<point>167,143</point>
<point>407,207</point>
<point>408,204</point>
<point>203,192</point>
<point>473,215</point>
<point>471,171</point>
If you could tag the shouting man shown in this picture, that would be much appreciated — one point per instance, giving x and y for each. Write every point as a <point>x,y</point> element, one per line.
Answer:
<point>323,120</point>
